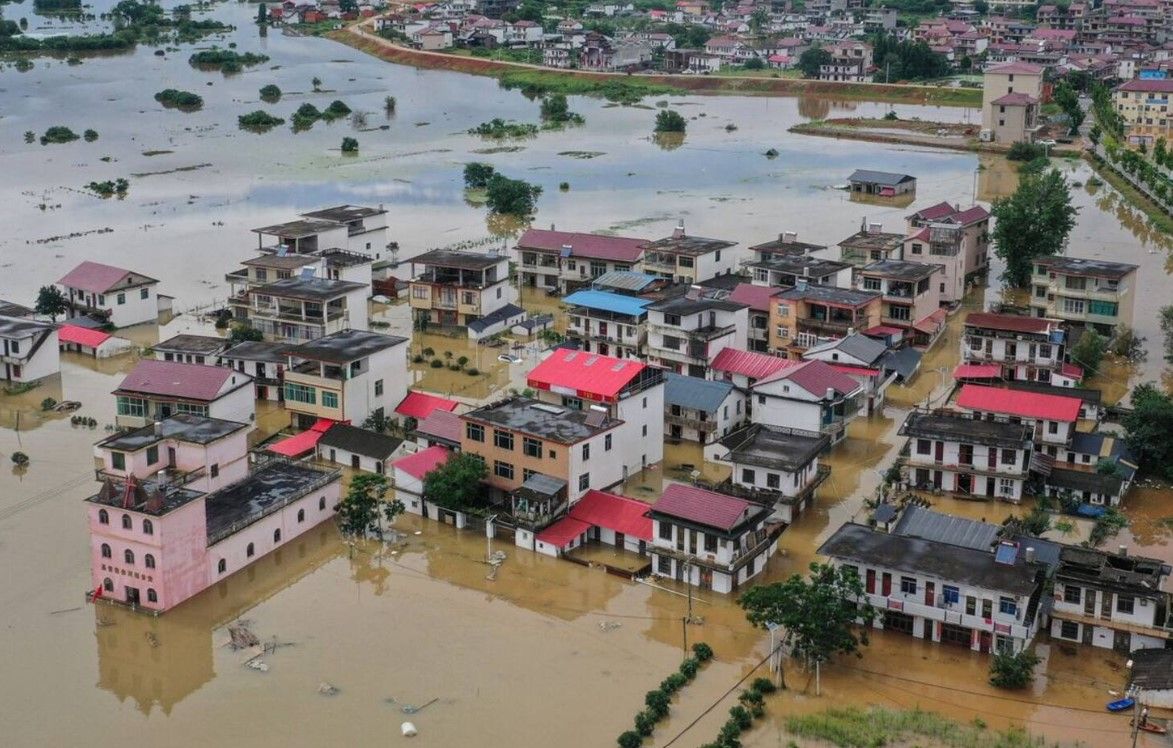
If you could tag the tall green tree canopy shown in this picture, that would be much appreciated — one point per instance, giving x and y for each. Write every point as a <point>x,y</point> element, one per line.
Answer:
<point>819,614</point>
<point>1148,429</point>
<point>51,302</point>
<point>811,60</point>
<point>1033,222</point>
<point>511,196</point>
<point>905,60</point>
<point>363,509</point>
<point>457,483</point>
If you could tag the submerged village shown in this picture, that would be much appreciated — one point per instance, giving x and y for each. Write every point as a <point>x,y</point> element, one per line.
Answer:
<point>838,415</point>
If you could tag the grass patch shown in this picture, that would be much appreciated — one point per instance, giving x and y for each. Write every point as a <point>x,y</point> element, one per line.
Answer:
<point>225,60</point>
<point>535,83</point>
<point>857,728</point>
<point>1134,197</point>
<point>498,129</point>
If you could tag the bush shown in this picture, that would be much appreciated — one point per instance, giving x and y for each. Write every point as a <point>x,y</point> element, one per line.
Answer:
<point>689,667</point>
<point>270,94</point>
<point>258,121</point>
<point>673,683</point>
<point>58,134</point>
<point>1025,152</point>
<point>225,60</point>
<point>437,364</point>
<point>349,145</point>
<point>668,120</point>
<point>185,101</point>
<point>90,135</point>
<point>645,723</point>
<point>336,110</point>
<point>755,63</point>
<point>511,196</point>
<point>763,685</point>
<point>564,186</point>
<point>741,716</point>
<point>703,651</point>
<point>1013,670</point>
<point>417,359</point>
<point>305,116</point>
<point>498,128</point>
<point>657,703</point>
<point>48,404</point>
<point>630,739</point>
<point>473,371</point>
<point>20,458</point>
<point>477,175</point>
<point>389,104</point>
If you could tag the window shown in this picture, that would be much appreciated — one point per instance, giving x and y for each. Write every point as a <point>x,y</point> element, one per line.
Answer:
<point>148,527</point>
<point>908,585</point>
<point>970,605</point>
<point>474,431</point>
<point>531,447</point>
<point>607,443</point>
<point>118,461</point>
<point>783,310</point>
<point>871,284</point>
<point>1009,456</point>
<point>1052,427</point>
<point>1008,606</point>
<point>1069,630</point>
<point>299,393</point>
<point>322,504</point>
<point>277,535</point>
<point>250,550</point>
<point>987,608</point>
<point>584,481</point>
<point>121,298</point>
<point>1073,306</point>
<point>573,403</point>
<point>773,480</point>
<point>663,565</point>
<point>378,388</point>
<point>672,320</point>
<point>128,556</point>
<point>748,476</point>
<point>101,299</point>
<point>222,566</point>
<point>152,596</point>
<point>214,470</point>
<point>503,469</point>
<point>950,594</point>
<point>106,551</point>
<point>1125,604</point>
<point>1044,351</point>
<point>103,517</point>
<point>923,446</point>
<point>1005,486</point>
<point>301,515</point>
<point>108,584</point>
<point>149,561</point>
<point>710,543</point>
<point>503,439</point>
<point>1102,308</point>
<point>192,409</point>
<point>899,313</point>
<point>665,531</point>
<point>329,399</point>
<point>1072,594</point>
<point>586,451</point>
<point>127,524</point>
<point>421,292</point>
<point>644,430</point>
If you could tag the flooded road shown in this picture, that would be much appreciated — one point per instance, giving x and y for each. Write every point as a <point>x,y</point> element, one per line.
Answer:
<point>533,658</point>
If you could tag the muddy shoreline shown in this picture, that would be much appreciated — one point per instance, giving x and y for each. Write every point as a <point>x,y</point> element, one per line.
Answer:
<point>846,130</point>
<point>903,94</point>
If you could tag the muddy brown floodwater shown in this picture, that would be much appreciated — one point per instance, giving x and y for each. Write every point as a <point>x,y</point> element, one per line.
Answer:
<point>551,652</point>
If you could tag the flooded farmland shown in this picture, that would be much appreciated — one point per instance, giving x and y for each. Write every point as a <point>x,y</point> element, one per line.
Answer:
<point>550,653</point>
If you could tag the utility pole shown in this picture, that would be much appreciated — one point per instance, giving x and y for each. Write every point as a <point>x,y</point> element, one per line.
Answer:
<point>1135,694</point>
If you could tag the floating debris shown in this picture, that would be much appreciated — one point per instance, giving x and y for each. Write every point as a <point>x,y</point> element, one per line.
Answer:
<point>327,689</point>
<point>242,635</point>
<point>258,664</point>
<point>408,730</point>
<point>609,625</point>
<point>152,639</point>
<point>409,709</point>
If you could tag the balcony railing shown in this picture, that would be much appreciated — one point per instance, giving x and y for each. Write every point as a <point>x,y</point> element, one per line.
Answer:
<point>690,423</point>
<point>327,476</point>
<point>825,325</point>
<point>171,477</point>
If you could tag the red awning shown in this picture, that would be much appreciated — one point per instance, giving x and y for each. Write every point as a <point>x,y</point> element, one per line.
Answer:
<point>977,371</point>
<point>82,336</point>
<point>419,405</point>
<point>563,531</point>
<point>883,330</point>
<point>303,443</point>
<point>930,324</point>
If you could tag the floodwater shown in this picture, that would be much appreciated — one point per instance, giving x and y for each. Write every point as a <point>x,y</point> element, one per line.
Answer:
<point>534,657</point>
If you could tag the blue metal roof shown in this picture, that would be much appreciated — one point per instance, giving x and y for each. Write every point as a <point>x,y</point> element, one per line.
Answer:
<point>694,393</point>
<point>608,302</point>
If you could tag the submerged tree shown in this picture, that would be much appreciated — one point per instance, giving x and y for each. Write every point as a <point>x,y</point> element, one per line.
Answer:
<point>1033,222</point>
<point>51,302</point>
<point>457,483</point>
<point>363,509</point>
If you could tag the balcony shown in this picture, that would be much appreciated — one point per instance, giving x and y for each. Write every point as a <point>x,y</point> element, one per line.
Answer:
<point>689,422</point>
<point>998,471</point>
<point>771,496</point>
<point>1163,631</point>
<point>169,477</point>
<point>832,327</point>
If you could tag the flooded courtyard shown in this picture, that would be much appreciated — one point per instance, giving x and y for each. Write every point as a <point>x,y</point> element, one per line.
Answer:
<point>550,652</point>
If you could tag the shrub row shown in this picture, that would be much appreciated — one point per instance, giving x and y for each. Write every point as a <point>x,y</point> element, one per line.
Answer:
<point>656,702</point>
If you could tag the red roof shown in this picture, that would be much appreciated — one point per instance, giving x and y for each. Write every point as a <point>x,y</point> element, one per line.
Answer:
<point>441,424</point>
<point>1071,370</point>
<point>600,509</point>
<point>591,246</point>
<point>883,330</point>
<point>1008,322</point>
<point>587,375</point>
<point>299,444</point>
<point>977,371</point>
<point>1024,68</point>
<point>1015,99</point>
<point>970,215</point>
<point>422,462</point>
<point>935,212</point>
<point>82,336</point>
<point>749,363</point>
<point>755,297</point>
<point>173,379</point>
<point>855,371</point>
<point>1019,403</point>
<point>419,405</point>
<point>93,277</point>
<point>703,507</point>
<point>1148,85</point>
<point>931,323</point>
<point>816,377</point>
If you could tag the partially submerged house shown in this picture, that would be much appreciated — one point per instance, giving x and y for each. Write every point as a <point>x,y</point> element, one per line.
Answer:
<point>810,396</point>
<point>561,261</point>
<point>468,290</point>
<point>119,296</point>
<point>689,259</point>
<point>686,332</point>
<point>599,517</point>
<point>358,448</point>
<point>776,467</point>
<point>155,390</point>
<point>609,323</point>
<point>881,183</point>
<point>701,410</point>
<point>959,454</point>
<point>28,349</point>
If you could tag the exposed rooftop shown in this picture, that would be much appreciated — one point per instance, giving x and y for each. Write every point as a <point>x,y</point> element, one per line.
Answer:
<point>850,297</point>
<point>774,447</point>
<point>265,490</point>
<point>12,309</point>
<point>181,427</point>
<point>345,346</point>
<point>901,269</point>
<point>533,417</point>
<point>683,305</point>
<point>22,327</point>
<point>1082,266</point>
<point>801,265</point>
<point>258,350</point>
<point>207,345</point>
<point>309,289</point>
<point>344,213</point>
<point>178,380</point>
<point>699,506</point>
<point>448,258</point>
<point>1121,573</point>
<point>886,178</point>
<point>865,241</point>
<point>786,244</point>
<point>588,246</point>
<point>683,244</point>
<point>958,427</point>
<point>298,229</point>
<point>694,393</point>
<point>359,441</point>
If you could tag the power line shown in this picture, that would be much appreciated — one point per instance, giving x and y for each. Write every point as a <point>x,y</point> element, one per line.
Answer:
<point>723,696</point>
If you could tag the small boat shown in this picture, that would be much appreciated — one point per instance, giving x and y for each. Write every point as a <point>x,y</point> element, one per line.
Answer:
<point>1152,727</point>
<point>1120,705</point>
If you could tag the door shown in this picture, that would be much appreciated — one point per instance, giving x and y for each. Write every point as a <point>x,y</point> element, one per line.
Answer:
<point>1089,602</point>
<point>706,579</point>
<point>354,463</point>
<point>991,457</point>
<point>674,431</point>
<point>602,329</point>
<point>619,540</point>
<point>987,642</point>
<point>930,594</point>
<point>939,452</point>
<point>171,457</point>
<point>1122,641</point>
<point>262,392</point>
<point>132,595</point>
<point>1106,605</point>
<point>164,410</point>
<point>886,581</point>
<point>871,581</point>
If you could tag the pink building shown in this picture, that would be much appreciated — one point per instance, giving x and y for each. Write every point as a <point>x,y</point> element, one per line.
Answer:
<point>179,509</point>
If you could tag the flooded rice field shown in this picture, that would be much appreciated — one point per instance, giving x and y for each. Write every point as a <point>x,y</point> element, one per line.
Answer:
<point>551,652</point>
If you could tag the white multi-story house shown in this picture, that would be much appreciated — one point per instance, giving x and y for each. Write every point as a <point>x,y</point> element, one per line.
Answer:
<point>29,349</point>
<point>700,410</point>
<point>264,361</point>
<point>785,271</point>
<point>1111,600</point>
<point>154,390</point>
<point>464,289</point>
<point>974,458</point>
<point>279,264</point>
<point>609,323</point>
<point>957,240</point>
<point>1096,293</point>
<point>353,228</point>
<point>565,260</point>
<point>689,259</point>
<point>685,333</point>
<point>710,540</point>
<point>346,376</point>
<point>775,466</point>
<point>190,349</point>
<point>1052,418</point>
<point>629,391</point>
<point>122,297</point>
<point>1014,348</point>
<point>961,593</point>
<point>910,293</point>
<point>302,308</point>
<point>809,396</point>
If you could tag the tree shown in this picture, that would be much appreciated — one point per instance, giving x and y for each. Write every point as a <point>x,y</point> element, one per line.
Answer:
<point>242,331</point>
<point>262,14</point>
<point>981,6</point>
<point>1033,222</point>
<point>818,615</point>
<point>811,60</point>
<point>51,302</point>
<point>1148,429</point>
<point>1065,96</point>
<point>477,176</point>
<point>758,19</point>
<point>457,483</point>
<point>668,120</point>
<point>1013,670</point>
<point>363,509</point>
<point>511,196</point>
<point>349,145</point>
<point>754,63</point>
<point>1166,328</point>
<point>1089,351</point>
<point>316,82</point>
